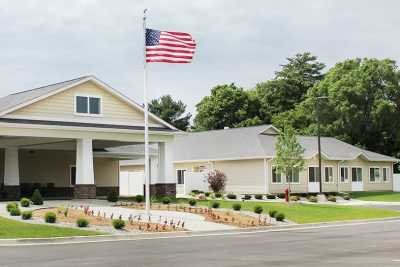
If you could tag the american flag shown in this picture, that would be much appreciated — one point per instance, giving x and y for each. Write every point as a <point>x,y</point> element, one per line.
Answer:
<point>169,47</point>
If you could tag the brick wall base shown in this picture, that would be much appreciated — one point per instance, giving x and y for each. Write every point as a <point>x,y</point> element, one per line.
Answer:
<point>84,191</point>
<point>102,191</point>
<point>160,190</point>
<point>11,192</point>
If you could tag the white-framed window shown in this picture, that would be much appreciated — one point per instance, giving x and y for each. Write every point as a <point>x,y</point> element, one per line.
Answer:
<point>72,175</point>
<point>276,177</point>
<point>344,174</point>
<point>386,174</point>
<point>293,176</point>
<point>374,174</point>
<point>87,105</point>
<point>328,174</point>
<point>313,174</point>
<point>180,176</point>
<point>356,174</point>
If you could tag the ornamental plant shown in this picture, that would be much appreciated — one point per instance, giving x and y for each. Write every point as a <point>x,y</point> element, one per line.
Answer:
<point>236,206</point>
<point>215,205</point>
<point>11,206</point>
<point>37,198</point>
<point>15,212</point>
<point>26,215</point>
<point>25,202</point>
<point>50,217</point>
<point>192,202</point>
<point>112,196</point>
<point>118,224</point>
<point>82,222</point>
<point>258,209</point>
<point>216,180</point>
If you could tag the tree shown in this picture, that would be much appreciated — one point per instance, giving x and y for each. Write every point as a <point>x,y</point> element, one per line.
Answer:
<point>171,111</point>
<point>217,180</point>
<point>363,106</point>
<point>289,154</point>
<point>290,85</point>
<point>227,106</point>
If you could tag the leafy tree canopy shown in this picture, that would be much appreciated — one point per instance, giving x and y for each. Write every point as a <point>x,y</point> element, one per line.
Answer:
<point>171,111</point>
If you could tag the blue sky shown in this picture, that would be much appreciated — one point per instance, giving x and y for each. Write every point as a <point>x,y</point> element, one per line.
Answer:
<point>47,41</point>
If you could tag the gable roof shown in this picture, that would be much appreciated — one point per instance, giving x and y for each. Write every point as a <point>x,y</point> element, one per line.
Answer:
<point>22,99</point>
<point>259,142</point>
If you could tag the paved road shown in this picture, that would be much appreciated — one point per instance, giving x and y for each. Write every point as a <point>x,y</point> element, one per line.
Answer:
<point>372,244</point>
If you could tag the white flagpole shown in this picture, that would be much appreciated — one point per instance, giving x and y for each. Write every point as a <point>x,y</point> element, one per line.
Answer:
<point>146,123</point>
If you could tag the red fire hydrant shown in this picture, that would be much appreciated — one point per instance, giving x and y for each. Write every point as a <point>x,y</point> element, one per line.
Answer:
<point>287,194</point>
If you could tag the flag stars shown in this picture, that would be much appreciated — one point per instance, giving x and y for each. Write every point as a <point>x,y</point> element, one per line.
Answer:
<point>152,37</point>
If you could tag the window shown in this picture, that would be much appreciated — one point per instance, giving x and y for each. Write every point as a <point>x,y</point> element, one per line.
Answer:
<point>293,176</point>
<point>313,174</point>
<point>356,174</point>
<point>72,175</point>
<point>88,105</point>
<point>276,177</point>
<point>180,175</point>
<point>328,175</point>
<point>385,174</point>
<point>374,174</point>
<point>344,174</point>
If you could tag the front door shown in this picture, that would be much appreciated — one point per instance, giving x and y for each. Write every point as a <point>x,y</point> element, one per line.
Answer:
<point>313,181</point>
<point>356,179</point>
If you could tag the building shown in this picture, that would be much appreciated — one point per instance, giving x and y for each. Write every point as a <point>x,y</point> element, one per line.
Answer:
<point>61,137</point>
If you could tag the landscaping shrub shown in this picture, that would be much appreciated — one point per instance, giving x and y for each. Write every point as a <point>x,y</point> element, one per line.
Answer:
<point>112,196</point>
<point>313,199</point>
<point>231,196</point>
<point>346,197</point>
<point>50,217</point>
<point>26,215</point>
<point>118,223</point>
<point>37,198</point>
<point>139,198</point>
<point>280,217</point>
<point>207,194</point>
<point>247,197</point>
<point>82,222</point>
<point>271,196</point>
<point>258,209</point>
<point>15,212</point>
<point>215,205</point>
<point>192,202</point>
<point>25,202</point>
<point>294,198</point>
<point>11,206</point>
<point>272,213</point>
<point>281,195</point>
<point>216,179</point>
<point>218,195</point>
<point>166,200</point>
<point>236,206</point>
<point>258,196</point>
<point>196,192</point>
<point>332,198</point>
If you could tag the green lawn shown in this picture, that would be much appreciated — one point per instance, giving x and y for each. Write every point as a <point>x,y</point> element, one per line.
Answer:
<point>313,213</point>
<point>14,229</point>
<point>386,196</point>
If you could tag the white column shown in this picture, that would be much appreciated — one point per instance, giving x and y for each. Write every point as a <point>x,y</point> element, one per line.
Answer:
<point>266,174</point>
<point>84,161</point>
<point>165,163</point>
<point>11,166</point>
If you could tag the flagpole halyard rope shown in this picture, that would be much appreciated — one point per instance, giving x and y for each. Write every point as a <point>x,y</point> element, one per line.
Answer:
<point>146,122</point>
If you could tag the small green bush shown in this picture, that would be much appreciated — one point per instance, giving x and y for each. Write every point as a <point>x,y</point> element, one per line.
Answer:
<point>346,197</point>
<point>26,215</point>
<point>166,200</point>
<point>207,194</point>
<point>271,196</point>
<point>192,202</point>
<point>50,217</point>
<point>139,198</point>
<point>332,198</point>
<point>82,222</point>
<point>215,205</point>
<point>231,196</point>
<point>294,198</point>
<point>11,206</point>
<point>112,196</point>
<point>313,199</point>
<point>258,196</point>
<point>236,206</point>
<point>258,209</point>
<point>118,223</point>
<point>25,202</point>
<point>280,217</point>
<point>272,213</point>
<point>37,198</point>
<point>247,197</point>
<point>15,212</point>
<point>218,195</point>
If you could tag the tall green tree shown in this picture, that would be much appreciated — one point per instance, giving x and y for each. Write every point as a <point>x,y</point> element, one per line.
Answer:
<point>289,153</point>
<point>227,106</point>
<point>362,108</point>
<point>290,85</point>
<point>171,111</point>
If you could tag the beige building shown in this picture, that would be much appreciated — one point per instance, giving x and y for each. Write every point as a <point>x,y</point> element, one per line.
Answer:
<point>62,138</point>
